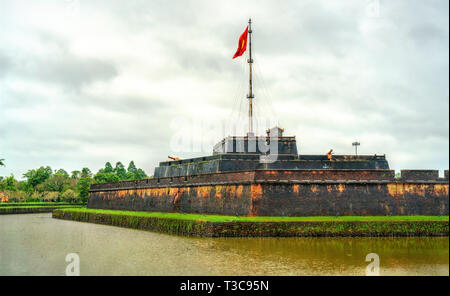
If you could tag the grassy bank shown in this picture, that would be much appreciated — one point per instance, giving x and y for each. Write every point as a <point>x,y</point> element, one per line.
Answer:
<point>216,225</point>
<point>28,204</point>
<point>28,208</point>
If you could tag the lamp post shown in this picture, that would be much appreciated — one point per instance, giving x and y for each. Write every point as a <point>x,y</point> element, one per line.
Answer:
<point>356,144</point>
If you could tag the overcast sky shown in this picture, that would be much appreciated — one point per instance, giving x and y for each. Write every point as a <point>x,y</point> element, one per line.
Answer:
<point>85,82</point>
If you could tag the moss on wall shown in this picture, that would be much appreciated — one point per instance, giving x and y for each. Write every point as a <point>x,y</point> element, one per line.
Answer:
<point>32,209</point>
<point>198,227</point>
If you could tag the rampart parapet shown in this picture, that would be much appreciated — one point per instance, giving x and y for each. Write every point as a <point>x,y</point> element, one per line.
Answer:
<point>420,175</point>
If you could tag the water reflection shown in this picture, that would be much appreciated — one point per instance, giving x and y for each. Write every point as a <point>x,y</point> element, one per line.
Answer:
<point>37,244</point>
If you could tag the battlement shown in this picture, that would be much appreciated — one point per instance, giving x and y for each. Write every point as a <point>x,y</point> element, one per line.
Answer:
<point>345,157</point>
<point>273,176</point>
<point>236,162</point>
<point>420,175</point>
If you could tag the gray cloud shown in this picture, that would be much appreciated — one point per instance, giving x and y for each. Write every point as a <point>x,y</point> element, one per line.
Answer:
<point>4,64</point>
<point>110,80</point>
<point>60,66</point>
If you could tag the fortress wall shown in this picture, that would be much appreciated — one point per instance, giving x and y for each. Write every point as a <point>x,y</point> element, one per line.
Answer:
<point>270,197</point>
<point>247,176</point>
<point>354,199</point>
<point>251,176</point>
<point>422,175</point>
<point>335,175</point>
<point>245,162</point>
<point>212,199</point>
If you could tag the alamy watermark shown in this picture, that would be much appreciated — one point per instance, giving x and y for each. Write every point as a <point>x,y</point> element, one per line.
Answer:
<point>373,268</point>
<point>373,8</point>
<point>73,268</point>
<point>200,135</point>
<point>71,9</point>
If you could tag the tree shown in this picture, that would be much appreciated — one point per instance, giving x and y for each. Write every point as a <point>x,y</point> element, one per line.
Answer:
<point>2,162</point>
<point>140,174</point>
<point>86,173</point>
<point>75,174</point>
<point>120,171</point>
<point>135,173</point>
<point>54,183</point>
<point>102,177</point>
<point>84,184</point>
<point>108,168</point>
<point>25,187</point>
<point>132,167</point>
<point>62,173</point>
<point>130,176</point>
<point>38,176</point>
<point>10,183</point>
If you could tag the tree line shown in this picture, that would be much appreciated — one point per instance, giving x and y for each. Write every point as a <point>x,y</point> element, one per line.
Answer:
<point>45,184</point>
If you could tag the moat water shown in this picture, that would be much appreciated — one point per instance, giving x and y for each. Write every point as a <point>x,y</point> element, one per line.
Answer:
<point>36,244</point>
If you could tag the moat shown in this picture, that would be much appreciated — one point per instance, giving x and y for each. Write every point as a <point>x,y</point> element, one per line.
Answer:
<point>36,244</point>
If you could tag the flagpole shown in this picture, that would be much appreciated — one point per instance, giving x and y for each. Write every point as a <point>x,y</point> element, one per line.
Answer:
<point>250,90</point>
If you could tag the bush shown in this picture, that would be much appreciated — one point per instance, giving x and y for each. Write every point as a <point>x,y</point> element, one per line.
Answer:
<point>50,196</point>
<point>70,196</point>
<point>36,196</point>
<point>16,196</point>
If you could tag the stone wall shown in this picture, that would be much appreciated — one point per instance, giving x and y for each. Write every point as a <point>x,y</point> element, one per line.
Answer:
<point>278,193</point>
<point>427,175</point>
<point>354,199</point>
<point>245,162</point>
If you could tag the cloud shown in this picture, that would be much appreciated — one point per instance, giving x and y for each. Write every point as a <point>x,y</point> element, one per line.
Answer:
<point>91,82</point>
<point>4,64</point>
<point>58,66</point>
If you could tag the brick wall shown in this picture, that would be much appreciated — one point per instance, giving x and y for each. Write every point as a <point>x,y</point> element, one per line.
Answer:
<point>279,193</point>
<point>420,175</point>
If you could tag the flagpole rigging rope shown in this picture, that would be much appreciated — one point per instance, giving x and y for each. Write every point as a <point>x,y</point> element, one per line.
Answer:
<point>265,99</point>
<point>264,107</point>
<point>235,115</point>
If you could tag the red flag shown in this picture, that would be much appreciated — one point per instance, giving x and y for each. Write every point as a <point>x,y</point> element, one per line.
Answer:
<point>242,46</point>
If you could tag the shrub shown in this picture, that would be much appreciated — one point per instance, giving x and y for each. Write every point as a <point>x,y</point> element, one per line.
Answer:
<point>36,196</point>
<point>17,196</point>
<point>70,196</point>
<point>50,196</point>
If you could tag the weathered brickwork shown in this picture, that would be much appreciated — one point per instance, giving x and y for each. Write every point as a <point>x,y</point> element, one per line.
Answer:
<point>252,176</point>
<point>351,199</point>
<point>231,199</point>
<point>428,175</point>
<point>323,175</point>
<point>279,193</point>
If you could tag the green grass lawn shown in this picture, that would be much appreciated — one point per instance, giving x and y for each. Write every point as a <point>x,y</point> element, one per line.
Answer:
<point>25,208</point>
<point>219,218</point>
<point>40,204</point>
